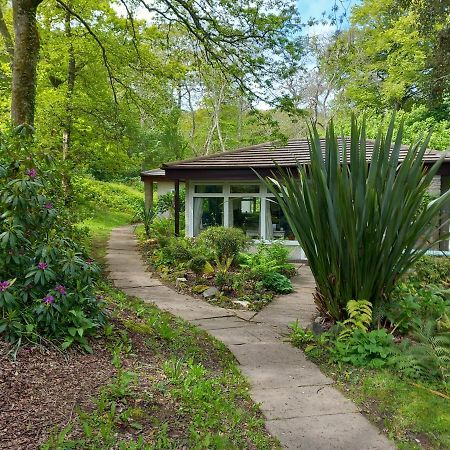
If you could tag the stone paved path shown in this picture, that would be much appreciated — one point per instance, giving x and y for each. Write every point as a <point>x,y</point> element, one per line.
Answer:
<point>302,408</point>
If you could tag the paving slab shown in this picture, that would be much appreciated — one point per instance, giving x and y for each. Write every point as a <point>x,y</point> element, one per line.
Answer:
<point>349,431</point>
<point>302,401</point>
<point>303,409</point>
<point>294,375</point>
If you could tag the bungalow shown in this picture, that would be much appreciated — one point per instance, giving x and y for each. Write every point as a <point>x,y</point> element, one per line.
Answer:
<point>223,189</point>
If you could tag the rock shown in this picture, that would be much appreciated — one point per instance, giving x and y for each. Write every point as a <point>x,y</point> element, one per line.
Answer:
<point>318,328</point>
<point>180,281</point>
<point>242,303</point>
<point>210,292</point>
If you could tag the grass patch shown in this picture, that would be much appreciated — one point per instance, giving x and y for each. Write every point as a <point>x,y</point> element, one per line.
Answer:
<point>100,225</point>
<point>415,417</point>
<point>174,386</point>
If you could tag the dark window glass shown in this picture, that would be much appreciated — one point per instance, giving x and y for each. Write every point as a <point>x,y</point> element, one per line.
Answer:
<point>208,188</point>
<point>244,189</point>
<point>208,212</point>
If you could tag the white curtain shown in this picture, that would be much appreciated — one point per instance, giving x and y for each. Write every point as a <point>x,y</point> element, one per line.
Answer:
<point>268,218</point>
<point>198,213</point>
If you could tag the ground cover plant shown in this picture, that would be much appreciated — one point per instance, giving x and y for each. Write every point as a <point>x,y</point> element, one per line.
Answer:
<point>217,259</point>
<point>152,382</point>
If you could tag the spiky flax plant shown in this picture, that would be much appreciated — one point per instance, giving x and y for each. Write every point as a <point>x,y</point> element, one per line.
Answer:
<point>359,220</point>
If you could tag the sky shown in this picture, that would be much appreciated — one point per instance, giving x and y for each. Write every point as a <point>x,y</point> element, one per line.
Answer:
<point>314,9</point>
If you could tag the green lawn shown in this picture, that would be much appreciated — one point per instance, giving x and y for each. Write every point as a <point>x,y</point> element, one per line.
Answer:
<point>415,417</point>
<point>100,224</point>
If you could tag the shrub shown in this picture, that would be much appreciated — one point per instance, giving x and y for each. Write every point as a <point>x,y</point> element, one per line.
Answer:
<point>148,216</point>
<point>431,270</point>
<point>226,242</point>
<point>428,356</point>
<point>197,264</point>
<point>47,280</point>
<point>359,224</point>
<point>277,282</point>
<point>173,252</point>
<point>372,350</point>
<point>411,306</point>
<point>267,260</point>
<point>166,203</point>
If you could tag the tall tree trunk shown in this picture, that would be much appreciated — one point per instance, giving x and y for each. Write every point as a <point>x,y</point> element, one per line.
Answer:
<point>68,121</point>
<point>26,53</point>
<point>67,131</point>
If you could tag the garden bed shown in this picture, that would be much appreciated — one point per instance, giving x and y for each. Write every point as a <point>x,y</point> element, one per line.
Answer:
<point>214,267</point>
<point>151,381</point>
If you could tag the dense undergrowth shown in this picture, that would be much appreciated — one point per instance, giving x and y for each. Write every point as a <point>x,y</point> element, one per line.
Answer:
<point>217,259</point>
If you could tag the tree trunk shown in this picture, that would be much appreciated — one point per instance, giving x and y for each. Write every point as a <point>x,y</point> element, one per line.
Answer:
<point>26,53</point>
<point>4,32</point>
<point>67,131</point>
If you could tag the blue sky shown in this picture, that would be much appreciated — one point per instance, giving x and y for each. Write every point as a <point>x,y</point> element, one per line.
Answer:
<point>315,8</point>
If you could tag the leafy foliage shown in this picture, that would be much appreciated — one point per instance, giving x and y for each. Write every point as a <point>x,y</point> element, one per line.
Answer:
<point>427,356</point>
<point>359,224</point>
<point>431,270</point>
<point>411,307</point>
<point>372,349</point>
<point>115,196</point>
<point>359,317</point>
<point>277,282</point>
<point>225,242</point>
<point>47,279</point>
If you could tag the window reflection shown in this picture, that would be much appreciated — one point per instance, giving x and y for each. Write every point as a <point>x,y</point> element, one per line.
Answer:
<point>208,212</point>
<point>245,213</point>
<point>277,226</point>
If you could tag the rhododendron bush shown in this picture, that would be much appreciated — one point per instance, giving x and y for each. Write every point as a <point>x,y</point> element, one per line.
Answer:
<point>47,280</point>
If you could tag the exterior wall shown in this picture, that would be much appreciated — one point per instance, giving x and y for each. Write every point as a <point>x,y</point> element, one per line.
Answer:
<point>435,186</point>
<point>148,194</point>
<point>163,187</point>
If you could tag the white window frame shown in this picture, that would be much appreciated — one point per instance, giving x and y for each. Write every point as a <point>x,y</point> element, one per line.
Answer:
<point>263,194</point>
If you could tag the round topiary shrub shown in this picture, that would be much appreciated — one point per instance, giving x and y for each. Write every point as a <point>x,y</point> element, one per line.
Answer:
<point>226,242</point>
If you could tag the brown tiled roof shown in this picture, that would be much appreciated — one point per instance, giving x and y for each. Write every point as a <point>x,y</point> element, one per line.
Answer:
<point>267,155</point>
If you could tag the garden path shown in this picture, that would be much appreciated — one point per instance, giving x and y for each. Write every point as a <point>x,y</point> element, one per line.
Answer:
<point>302,408</point>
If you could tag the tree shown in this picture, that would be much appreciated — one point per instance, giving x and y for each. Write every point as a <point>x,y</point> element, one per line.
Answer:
<point>25,58</point>
<point>394,55</point>
<point>238,39</point>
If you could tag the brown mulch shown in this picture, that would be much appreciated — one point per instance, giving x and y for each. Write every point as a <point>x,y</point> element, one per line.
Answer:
<point>44,388</point>
<point>41,389</point>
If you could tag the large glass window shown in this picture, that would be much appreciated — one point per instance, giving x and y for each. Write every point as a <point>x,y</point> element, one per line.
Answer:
<point>277,226</point>
<point>245,213</point>
<point>208,212</point>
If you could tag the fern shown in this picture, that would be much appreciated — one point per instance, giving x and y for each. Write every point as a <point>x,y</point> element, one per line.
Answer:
<point>429,357</point>
<point>359,318</point>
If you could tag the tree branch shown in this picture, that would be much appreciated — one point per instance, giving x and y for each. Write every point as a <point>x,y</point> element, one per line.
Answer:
<point>100,44</point>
